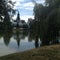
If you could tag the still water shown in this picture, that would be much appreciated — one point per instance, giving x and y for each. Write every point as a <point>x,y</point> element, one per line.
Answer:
<point>22,40</point>
<point>16,41</point>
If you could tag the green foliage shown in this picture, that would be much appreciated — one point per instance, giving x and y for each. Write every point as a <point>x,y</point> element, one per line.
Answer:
<point>6,12</point>
<point>48,16</point>
<point>37,11</point>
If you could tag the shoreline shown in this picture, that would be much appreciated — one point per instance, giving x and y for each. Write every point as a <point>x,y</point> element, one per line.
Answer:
<point>51,52</point>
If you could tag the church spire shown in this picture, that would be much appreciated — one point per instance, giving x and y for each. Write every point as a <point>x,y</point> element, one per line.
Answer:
<point>18,19</point>
<point>18,16</point>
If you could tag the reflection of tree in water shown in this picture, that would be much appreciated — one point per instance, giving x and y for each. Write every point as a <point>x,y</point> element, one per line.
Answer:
<point>1,33</point>
<point>49,42</point>
<point>50,38</point>
<point>36,42</point>
<point>6,36</point>
<point>32,35</point>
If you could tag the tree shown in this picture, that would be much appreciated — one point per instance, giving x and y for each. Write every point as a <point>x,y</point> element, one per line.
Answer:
<point>6,11</point>
<point>6,7</point>
<point>49,18</point>
<point>38,11</point>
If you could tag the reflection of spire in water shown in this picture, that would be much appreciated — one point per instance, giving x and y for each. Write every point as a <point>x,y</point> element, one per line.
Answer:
<point>17,38</point>
<point>18,35</point>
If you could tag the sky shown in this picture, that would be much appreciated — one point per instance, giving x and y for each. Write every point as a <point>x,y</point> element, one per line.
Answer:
<point>25,8</point>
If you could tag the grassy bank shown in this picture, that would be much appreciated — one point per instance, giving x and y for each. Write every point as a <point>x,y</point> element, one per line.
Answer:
<point>43,53</point>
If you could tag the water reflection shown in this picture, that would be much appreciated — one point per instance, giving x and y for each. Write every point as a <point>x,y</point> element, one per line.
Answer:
<point>51,39</point>
<point>47,40</point>
<point>36,42</point>
<point>33,40</point>
<point>32,35</point>
<point>6,37</point>
<point>18,35</point>
<point>21,34</point>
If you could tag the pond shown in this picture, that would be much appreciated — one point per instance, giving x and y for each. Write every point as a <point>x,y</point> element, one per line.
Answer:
<point>19,41</point>
<point>16,41</point>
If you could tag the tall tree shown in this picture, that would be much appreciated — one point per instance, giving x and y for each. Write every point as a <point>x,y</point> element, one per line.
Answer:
<point>48,16</point>
<point>6,12</point>
<point>6,7</point>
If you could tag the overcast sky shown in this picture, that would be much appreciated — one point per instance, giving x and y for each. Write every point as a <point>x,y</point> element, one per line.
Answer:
<point>25,8</point>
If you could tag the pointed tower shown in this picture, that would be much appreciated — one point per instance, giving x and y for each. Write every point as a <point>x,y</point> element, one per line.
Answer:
<point>18,19</point>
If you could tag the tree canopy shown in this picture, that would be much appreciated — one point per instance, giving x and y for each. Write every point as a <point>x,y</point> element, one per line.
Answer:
<point>49,17</point>
<point>6,8</point>
<point>6,13</point>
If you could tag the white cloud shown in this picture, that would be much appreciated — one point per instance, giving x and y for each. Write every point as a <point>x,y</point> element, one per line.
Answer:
<point>17,4</point>
<point>29,4</point>
<point>18,0</point>
<point>25,17</point>
<point>14,18</point>
<point>26,5</point>
<point>40,1</point>
<point>29,8</point>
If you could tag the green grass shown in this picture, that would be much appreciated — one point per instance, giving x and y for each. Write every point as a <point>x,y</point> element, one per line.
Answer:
<point>43,53</point>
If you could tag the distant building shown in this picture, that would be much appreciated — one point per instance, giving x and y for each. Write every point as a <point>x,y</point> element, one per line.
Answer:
<point>19,23</point>
<point>30,20</point>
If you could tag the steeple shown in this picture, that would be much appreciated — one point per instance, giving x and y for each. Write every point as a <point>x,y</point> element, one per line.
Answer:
<point>18,16</point>
<point>18,19</point>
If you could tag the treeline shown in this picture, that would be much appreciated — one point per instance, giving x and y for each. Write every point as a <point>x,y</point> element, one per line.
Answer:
<point>47,19</point>
<point>6,13</point>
